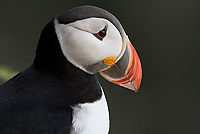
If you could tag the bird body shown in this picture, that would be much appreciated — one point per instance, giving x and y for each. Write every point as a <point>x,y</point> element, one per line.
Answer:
<point>28,107</point>
<point>60,93</point>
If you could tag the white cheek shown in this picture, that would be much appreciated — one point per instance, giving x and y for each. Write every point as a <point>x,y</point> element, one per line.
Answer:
<point>82,48</point>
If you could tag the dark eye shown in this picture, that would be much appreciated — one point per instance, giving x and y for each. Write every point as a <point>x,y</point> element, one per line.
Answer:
<point>101,34</point>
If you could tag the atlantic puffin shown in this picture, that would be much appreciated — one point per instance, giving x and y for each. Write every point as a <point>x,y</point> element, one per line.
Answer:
<point>60,93</point>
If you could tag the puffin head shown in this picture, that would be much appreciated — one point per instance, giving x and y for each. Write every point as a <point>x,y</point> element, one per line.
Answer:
<point>93,40</point>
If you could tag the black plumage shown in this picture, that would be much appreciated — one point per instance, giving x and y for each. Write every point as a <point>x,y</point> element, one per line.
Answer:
<point>33,102</point>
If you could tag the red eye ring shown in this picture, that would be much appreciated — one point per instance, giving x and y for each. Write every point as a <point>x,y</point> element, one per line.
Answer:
<point>101,34</point>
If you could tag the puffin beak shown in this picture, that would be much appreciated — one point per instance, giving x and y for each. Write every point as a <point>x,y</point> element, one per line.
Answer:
<point>126,69</point>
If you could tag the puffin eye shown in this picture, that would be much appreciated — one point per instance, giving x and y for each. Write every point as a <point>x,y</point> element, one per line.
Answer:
<point>101,34</point>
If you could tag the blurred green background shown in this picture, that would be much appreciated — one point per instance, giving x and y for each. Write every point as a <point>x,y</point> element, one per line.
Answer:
<point>166,35</point>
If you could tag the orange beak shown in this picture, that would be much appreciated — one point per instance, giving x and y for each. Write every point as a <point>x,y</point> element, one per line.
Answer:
<point>126,70</point>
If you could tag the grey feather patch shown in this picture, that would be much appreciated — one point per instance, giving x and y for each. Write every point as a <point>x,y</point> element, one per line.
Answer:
<point>97,67</point>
